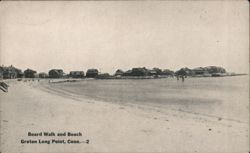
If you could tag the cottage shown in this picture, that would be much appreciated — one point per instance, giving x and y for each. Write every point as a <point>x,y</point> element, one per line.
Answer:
<point>139,72</point>
<point>43,75</point>
<point>10,72</point>
<point>92,73</point>
<point>128,73</point>
<point>20,74</point>
<point>103,76</point>
<point>76,74</point>
<point>199,71</point>
<point>56,73</point>
<point>119,72</point>
<point>168,72</point>
<point>184,72</point>
<point>158,71</point>
<point>152,72</point>
<point>29,73</point>
<point>215,69</point>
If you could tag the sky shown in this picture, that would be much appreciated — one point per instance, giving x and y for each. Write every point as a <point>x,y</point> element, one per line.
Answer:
<point>109,35</point>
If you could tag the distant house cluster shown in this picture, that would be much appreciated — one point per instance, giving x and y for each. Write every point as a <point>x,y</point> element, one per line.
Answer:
<point>142,71</point>
<point>56,73</point>
<point>11,72</point>
<point>76,74</point>
<point>202,71</point>
<point>29,73</point>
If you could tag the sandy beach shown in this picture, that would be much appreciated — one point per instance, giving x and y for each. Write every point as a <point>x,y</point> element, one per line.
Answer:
<point>32,107</point>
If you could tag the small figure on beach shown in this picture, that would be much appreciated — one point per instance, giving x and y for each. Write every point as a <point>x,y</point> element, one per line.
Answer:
<point>182,78</point>
<point>4,86</point>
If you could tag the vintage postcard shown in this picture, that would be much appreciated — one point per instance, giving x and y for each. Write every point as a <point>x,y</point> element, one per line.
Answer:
<point>124,76</point>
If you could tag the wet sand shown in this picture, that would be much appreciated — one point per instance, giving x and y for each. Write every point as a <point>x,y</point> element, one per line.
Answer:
<point>32,107</point>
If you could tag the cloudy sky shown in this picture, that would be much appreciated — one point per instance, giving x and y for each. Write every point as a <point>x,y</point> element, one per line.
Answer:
<point>125,34</point>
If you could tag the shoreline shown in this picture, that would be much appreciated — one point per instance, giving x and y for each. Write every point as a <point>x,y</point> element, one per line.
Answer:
<point>110,127</point>
<point>70,79</point>
<point>74,96</point>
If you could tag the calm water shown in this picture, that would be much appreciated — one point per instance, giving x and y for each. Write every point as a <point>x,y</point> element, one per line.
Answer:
<point>225,97</point>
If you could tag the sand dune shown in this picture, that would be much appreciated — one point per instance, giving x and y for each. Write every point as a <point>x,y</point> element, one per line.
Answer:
<point>31,107</point>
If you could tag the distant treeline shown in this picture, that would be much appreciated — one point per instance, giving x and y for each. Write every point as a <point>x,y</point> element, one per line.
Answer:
<point>11,72</point>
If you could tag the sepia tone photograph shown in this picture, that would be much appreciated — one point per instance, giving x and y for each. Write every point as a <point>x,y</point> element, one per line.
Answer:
<point>124,76</point>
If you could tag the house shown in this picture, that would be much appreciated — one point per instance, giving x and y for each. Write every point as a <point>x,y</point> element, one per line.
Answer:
<point>128,73</point>
<point>158,71</point>
<point>119,72</point>
<point>215,69</point>
<point>152,73</point>
<point>29,73</point>
<point>43,75</point>
<point>184,72</point>
<point>56,73</point>
<point>20,74</point>
<point>103,76</point>
<point>168,72</point>
<point>139,72</point>
<point>76,74</point>
<point>199,71</point>
<point>92,73</point>
<point>10,72</point>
